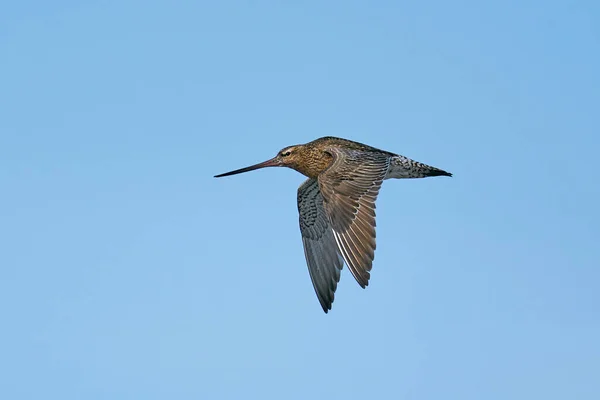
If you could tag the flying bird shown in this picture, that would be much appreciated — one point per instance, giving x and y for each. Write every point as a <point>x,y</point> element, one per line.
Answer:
<point>337,204</point>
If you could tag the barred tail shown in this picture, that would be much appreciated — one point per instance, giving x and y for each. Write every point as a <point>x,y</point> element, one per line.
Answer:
<point>404,167</point>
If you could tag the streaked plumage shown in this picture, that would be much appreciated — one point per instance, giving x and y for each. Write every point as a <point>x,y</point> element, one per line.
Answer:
<point>337,204</point>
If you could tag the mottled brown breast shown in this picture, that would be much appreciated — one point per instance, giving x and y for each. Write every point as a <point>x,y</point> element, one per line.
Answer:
<point>312,161</point>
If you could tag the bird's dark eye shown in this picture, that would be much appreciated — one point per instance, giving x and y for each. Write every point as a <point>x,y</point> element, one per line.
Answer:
<point>287,153</point>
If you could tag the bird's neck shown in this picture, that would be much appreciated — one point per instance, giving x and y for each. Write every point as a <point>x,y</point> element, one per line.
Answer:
<point>313,162</point>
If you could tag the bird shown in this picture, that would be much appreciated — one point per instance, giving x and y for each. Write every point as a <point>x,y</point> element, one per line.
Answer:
<point>336,204</point>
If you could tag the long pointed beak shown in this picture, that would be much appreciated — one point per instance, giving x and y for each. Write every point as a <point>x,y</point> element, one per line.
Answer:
<point>273,162</point>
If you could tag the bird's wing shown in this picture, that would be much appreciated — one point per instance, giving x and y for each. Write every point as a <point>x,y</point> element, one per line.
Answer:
<point>322,255</point>
<point>349,187</point>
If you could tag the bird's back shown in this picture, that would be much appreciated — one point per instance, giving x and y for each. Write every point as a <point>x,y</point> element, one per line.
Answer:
<point>331,141</point>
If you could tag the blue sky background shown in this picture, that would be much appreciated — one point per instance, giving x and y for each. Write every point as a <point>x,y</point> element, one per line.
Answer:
<point>128,271</point>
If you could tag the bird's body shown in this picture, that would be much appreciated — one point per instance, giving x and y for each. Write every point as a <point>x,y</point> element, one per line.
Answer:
<point>337,204</point>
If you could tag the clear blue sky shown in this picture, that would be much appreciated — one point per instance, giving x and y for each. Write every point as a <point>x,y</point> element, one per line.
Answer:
<point>129,272</point>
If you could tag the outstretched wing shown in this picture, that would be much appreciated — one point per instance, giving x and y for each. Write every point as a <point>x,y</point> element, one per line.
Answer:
<point>349,187</point>
<point>322,255</point>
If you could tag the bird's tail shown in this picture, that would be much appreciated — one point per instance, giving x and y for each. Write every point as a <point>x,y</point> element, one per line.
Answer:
<point>404,167</point>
